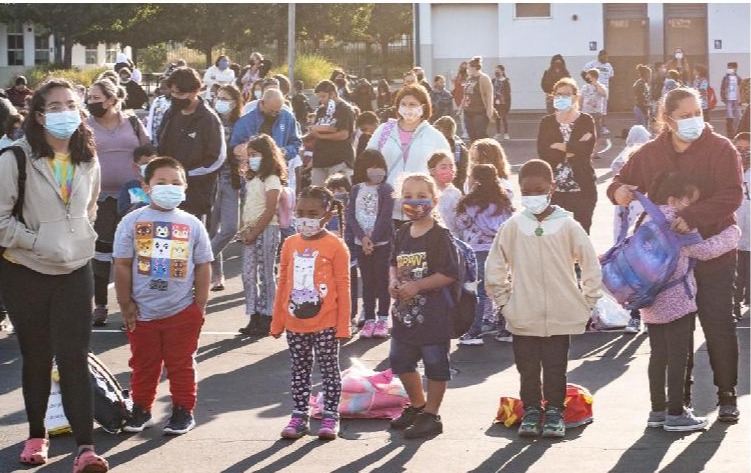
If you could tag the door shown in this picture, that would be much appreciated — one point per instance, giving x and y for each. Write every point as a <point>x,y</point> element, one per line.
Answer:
<point>626,40</point>
<point>686,27</point>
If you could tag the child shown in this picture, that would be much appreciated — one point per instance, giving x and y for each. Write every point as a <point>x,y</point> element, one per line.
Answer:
<point>672,81</point>
<point>489,151</point>
<point>369,218</point>
<point>132,195</point>
<point>447,127</point>
<point>366,125</point>
<point>730,94</point>
<point>543,305</point>
<point>162,273</point>
<point>442,170</point>
<point>424,263</point>
<point>742,143</point>
<point>594,96</point>
<point>300,105</point>
<point>266,174</point>
<point>671,317</point>
<point>313,309</point>
<point>479,215</point>
<point>441,99</point>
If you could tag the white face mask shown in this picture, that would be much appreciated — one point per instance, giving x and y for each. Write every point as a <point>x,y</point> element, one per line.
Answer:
<point>689,129</point>
<point>308,227</point>
<point>536,203</point>
<point>679,56</point>
<point>411,114</point>
<point>143,169</point>
<point>731,71</point>
<point>223,106</point>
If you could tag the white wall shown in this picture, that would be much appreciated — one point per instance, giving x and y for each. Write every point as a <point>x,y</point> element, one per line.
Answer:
<point>729,23</point>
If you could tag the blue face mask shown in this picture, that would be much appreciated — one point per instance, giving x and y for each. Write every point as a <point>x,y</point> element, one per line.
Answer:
<point>167,196</point>
<point>254,163</point>
<point>62,125</point>
<point>689,129</point>
<point>223,64</point>
<point>562,103</point>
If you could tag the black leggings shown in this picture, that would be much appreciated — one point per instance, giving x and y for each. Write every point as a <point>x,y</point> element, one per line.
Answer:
<point>55,321</point>
<point>105,226</point>
<point>669,345</point>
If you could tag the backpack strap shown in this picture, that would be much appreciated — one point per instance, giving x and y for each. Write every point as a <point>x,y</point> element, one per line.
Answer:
<point>457,153</point>
<point>21,164</point>
<point>134,124</point>
<point>388,127</point>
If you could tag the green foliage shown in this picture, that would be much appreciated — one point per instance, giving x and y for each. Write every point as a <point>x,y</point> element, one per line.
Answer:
<point>309,68</point>
<point>153,58</point>
<point>84,77</point>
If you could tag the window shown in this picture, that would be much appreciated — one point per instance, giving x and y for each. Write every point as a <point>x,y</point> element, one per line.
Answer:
<point>531,10</point>
<point>111,53</point>
<point>15,44</point>
<point>41,49</point>
<point>92,55</point>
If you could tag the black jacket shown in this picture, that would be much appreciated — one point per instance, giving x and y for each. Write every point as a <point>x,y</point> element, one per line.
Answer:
<point>198,145</point>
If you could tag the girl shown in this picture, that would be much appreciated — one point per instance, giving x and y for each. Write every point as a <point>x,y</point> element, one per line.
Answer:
<point>489,151</point>
<point>671,317</point>
<point>313,307</point>
<point>479,215</point>
<point>442,170</point>
<point>369,217</point>
<point>424,263</point>
<point>266,174</point>
<point>701,83</point>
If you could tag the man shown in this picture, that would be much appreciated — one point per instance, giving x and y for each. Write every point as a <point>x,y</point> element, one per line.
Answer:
<point>272,118</point>
<point>268,83</point>
<point>442,100</point>
<point>333,130</point>
<point>603,65</point>
<point>192,133</point>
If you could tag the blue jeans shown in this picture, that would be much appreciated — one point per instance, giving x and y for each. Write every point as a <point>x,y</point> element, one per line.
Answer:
<point>642,117</point>
<point>477,125</point>
<point>483,301</point>
<point>225,216</point>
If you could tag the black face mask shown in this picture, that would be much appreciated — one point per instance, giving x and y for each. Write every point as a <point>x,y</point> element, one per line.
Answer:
<point>180,104</point>
<point>96,109</point>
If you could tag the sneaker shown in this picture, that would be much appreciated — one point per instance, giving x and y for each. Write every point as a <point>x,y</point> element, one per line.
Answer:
<point>296,428</point>
<point>329,427</point>
<point>633,326</point>
<point>381,329</point>
<point>99,317</point>
<point>685,422</point>
<point>139,420</point>
<point>488,329</point>
<point>728,411</point>
<point>656,418</point>
<point>470,340</point>
<point>554,425</point>
<point>406,418</point>
<point>252,326</point>
<point>504,336</point>
<point>368,329</point>
<point>604,131</point>
<point>506,137</point>
<point>426,425</point>
<point>181,422</point>
<point>531,423</point>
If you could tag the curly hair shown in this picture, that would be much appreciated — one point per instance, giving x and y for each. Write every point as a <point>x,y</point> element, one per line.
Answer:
<point>487,191</point>
<point>489,151</point>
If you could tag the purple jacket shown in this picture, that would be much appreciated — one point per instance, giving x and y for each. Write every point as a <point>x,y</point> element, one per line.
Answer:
<point>478,228</point>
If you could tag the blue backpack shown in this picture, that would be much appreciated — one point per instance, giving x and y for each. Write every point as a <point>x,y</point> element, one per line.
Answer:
<point>640,267</point>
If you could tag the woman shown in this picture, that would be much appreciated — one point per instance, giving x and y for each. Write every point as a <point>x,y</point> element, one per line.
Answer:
<point>407,142</point>
<point>679,63</point>
<point>566,140</point>
<point>339,78</point>
<point>384,94</point>
<point>687,144</point>
<point>136,96</point>
<point>460,81</point>
<point>219,74</point>
<point>116,136</point>
<point>550,77</point>
<point>501,100</point>
<point>225,212</point>
<point>253,73</point>
<point>47,255</point>
<point>478,101</point>
<point>701,85</point>
<point>642,96</point>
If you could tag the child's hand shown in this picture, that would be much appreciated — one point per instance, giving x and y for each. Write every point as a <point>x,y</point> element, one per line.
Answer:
<point>408,290</point>
<point>130,314</point>
<point>394,289</point>
<point>586,137</point>
<point>276,335</point>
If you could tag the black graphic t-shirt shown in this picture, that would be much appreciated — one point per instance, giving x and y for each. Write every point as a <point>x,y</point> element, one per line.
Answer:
<point>328,153</point>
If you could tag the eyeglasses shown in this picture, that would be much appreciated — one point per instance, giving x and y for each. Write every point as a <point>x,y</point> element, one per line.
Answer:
<point>56,108</point>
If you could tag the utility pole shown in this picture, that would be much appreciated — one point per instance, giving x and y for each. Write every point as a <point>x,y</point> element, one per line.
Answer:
<point>291,42</point>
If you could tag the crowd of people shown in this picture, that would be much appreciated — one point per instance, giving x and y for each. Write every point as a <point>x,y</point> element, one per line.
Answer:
<point>319,197</point>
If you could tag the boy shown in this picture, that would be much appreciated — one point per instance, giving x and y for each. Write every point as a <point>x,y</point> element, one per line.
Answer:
<point>132,195</point>
<point>593,99</point>
<point>730,93</point>
<point>162,255</point>
<point>300,105</point>
<point>442,100</point>
<point>366,124</point>
<point>538,247</point>
<point>742,143</point>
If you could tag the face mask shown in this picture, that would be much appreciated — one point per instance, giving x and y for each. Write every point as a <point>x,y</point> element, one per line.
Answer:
<point>143,167</point>
<point>445,176</point>
<point>417,209</point>
<point>376,176</point>
<point>679,56</point>
<point>223,64</point>
<point>254,163</point>
<point>180,104</point>
<point>62,125</point>
<point>308,227</point>
<point>341,197</point>
<point>222,106</point>
<point>96,109</point>
<point>731,71</point>
<point>536,203</point>
<point>167,196</point>
<point>689,129</point>
<point>410,114</point>
<point>124,80</point>
<point>257,94</point>
<point>16,134</point>
<point>562,104</point>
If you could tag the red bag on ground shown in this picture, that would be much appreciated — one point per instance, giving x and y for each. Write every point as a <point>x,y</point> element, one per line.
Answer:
<point>578,410</point>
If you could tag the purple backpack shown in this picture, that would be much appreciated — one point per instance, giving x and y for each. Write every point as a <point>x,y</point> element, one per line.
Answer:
<point>640,267</point>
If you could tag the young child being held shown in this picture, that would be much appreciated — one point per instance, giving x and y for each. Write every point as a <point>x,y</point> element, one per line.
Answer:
<point>479,215</point>
<point>162,273</point>
<point>259,233</point>
<point>369,218</point>
<point>529,273</point>
<point>424,264</point>
<point>132,195</point>
<point>670,318</point>
<point>742,143</point>
<point>312,306</point>
<point>443,170</point>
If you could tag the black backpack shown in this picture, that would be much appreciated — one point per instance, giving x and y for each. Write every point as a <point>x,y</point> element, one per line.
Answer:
<point>21,164</point>
<point>112,403</point>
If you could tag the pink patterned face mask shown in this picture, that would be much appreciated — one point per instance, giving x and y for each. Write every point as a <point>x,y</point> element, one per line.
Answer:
<point>445,176</point>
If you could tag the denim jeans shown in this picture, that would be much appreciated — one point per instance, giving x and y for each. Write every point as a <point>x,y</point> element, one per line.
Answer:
<point>482,297</point>
<point>225,215</point>
<point>642,117</point>
<point>477,125</point>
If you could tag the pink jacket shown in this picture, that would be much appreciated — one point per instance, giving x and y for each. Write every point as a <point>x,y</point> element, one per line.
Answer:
<point>674,303</point>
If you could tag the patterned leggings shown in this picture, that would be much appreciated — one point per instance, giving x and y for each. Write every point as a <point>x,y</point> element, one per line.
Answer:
<point>258,272</point>
<point>301,346</point>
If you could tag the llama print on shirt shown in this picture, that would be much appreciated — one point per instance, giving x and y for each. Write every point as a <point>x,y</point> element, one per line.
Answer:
<point>306,298</point>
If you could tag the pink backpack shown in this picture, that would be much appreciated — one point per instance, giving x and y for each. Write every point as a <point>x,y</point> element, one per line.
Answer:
<point>285,208</point>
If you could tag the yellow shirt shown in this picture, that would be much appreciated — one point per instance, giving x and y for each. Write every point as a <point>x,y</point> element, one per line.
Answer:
<point>63,170</point>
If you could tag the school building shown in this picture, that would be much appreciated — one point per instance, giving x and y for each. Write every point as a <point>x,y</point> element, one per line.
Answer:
<point>524,36</point>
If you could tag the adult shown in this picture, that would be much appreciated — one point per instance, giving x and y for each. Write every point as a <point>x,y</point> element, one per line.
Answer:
<point>460,82</point>
<point>116,135</point>
<point>363,95</point>
<point>226,210</point>
<point>602,64</point>
<point>136,97</point>
<point>19,92</point>
<point>550,77</point>
<point>643,96</point>
<point>339,78</point>
<point>659,74</point>
<point>333,131</point>
<point>687,144</point>
<point>410,78</point>
<point>8,114</point>
<point>122,60</point>
<point>45,275</point>
<point>384,94</point>
<point>259,88</point>
<point>441,99</point>
<point>420,76</point>
<point>565,140</point>
<point>256,70</point>
<point>192,133</point>
<point>218,75</point>
<point>679,62</point>
<point>700,83</point>
<point>501,100</point>
<point>478,101</point>
<point>408,142</point>
<point>159,107</point>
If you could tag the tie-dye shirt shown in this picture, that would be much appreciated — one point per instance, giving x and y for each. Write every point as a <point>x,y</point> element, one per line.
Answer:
<point>63,170</point>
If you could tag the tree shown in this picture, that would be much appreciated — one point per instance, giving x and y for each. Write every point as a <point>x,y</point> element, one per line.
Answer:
<point>388,21</point>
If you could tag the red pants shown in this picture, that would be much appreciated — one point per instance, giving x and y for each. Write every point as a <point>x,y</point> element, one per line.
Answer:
<point>171,342</point>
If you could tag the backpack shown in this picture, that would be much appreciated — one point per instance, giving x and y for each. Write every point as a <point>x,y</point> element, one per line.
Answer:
<point>711,98</point>
<point>640,267</point>
<point>17,211</point>
<point>112,403</point>
<point>285,208</point>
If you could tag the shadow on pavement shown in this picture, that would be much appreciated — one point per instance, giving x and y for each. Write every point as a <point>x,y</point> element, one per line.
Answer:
<point>649,450</point>
<point>294,455</point>
<point>698,453</point>
<point>608,357</point>
<point>407,449</point>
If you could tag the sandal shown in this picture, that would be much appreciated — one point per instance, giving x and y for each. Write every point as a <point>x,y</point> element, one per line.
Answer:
<point>89,462</point>
<point>35,451</point>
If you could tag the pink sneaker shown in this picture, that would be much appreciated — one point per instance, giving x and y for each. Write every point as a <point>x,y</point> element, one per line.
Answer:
<point>297,427</point>
<point>368,329</point>
<point>381,329</point>
<point>329,428</point>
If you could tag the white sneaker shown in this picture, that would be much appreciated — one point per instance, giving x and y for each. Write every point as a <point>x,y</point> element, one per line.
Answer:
<point>633,326</point>
<point>470,340</point>
<point>506,137</point>
<point>686,422</point>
